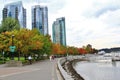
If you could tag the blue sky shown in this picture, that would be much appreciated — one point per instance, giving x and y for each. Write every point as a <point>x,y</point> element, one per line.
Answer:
<point>95,22</point>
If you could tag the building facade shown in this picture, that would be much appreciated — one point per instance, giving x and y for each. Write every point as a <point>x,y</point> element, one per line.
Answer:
<point>59,31</point>
<point>40,18</point>
<point>17,11</point>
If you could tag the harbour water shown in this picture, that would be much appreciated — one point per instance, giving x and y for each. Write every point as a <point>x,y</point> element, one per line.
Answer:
<point>98,70</point>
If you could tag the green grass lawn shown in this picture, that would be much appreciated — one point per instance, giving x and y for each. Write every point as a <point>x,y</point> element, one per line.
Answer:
<point>15,58</point>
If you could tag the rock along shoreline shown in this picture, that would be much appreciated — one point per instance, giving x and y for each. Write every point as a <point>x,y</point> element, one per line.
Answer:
<point>68,66</point>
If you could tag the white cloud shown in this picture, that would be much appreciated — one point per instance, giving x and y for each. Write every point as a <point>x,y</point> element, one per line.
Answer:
<point>111,18</point>
<point>92,22</point>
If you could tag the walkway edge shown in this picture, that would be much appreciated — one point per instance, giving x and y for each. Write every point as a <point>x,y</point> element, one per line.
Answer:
<point>64,74</point>
<point>59,75</point>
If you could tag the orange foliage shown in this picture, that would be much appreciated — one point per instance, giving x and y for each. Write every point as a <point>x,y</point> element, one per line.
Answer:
<point>82,51</point>
<point>58,49</point>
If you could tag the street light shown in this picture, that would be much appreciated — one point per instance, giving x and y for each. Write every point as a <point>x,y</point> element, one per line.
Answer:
<point>18,54</point>
<point>3,57</point>
<point>12,46</point>
<point>12,40</point>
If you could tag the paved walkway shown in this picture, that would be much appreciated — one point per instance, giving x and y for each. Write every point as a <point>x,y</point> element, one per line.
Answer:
<point>43,70</point>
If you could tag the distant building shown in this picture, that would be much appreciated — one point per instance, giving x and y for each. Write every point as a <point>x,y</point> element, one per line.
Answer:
<point>59,31</point>
<point>15,10</point>
<point>40,18</point>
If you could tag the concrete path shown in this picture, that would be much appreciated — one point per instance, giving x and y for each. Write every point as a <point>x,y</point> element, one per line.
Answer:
<point>43,70</point>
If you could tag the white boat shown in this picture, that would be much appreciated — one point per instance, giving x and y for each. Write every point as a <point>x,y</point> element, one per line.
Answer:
<point>116,59</point>
<point>105,60</point>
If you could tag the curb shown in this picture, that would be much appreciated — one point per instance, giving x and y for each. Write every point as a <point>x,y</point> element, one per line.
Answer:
<point>62,72</point>
<point>59,75</point>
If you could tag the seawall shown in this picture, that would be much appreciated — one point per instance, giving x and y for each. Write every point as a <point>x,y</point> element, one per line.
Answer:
<point>65,67</point>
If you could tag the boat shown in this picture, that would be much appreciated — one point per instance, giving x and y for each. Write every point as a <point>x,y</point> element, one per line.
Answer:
<point>105,60</point>
<point>116,58</point>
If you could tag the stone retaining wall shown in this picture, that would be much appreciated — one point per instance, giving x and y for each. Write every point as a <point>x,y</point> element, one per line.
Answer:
<point>64,74</point>
<point>13,63</point>
<point>66,68</point>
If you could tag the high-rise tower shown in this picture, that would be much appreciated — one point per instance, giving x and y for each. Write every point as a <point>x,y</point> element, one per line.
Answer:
<point>15,10</point>
<point>40,18</point>
<point>59,31</point>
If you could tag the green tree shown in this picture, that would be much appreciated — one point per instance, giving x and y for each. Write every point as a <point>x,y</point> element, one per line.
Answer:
<point>89,48</point>
<point>9,24</point>
<point>47,45</point>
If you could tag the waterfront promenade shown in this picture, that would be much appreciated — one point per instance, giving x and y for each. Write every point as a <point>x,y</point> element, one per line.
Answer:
<point>43,70</point>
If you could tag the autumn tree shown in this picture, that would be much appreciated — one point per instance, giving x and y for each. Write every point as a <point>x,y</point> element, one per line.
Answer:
<point>26,41</point>
<point>82,51</point>
<point>29,41</point>
<point>63,50</point>
<point>55,49</point>
<point>72,50</point>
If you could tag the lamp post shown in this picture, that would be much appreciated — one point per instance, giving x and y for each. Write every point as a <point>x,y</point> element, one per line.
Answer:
<point>18,54</point>
<point>12,40</point>
<point>3,56</point>
<point>12,46</point>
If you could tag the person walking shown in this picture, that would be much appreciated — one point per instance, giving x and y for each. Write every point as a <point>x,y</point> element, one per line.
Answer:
<point>50,57</point>
<point>30,59</point>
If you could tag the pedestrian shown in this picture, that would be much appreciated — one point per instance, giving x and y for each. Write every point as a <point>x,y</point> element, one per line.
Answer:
<point>53,57</point>
<point>30,59</point>
<point>50,58</point>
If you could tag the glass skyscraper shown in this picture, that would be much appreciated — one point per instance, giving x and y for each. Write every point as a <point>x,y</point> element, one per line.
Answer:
<point>15,10</point>
<point>40,18</point>
<point>59,31</point>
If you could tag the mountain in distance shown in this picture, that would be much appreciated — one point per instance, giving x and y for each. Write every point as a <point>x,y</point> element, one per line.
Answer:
<point>109,50</point>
